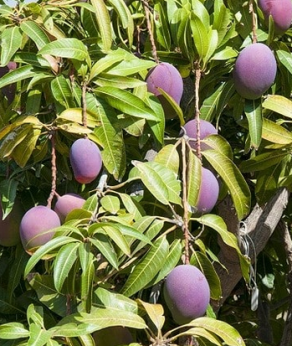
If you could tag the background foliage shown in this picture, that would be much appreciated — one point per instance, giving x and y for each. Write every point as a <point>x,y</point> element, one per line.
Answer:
<point>81,69</point>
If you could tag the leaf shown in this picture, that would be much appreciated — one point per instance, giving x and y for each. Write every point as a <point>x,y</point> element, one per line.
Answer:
<point>194,173</point>
<point>168,156</point>
<point>113,154</point>
<point>201,261</point>
<point>276,133</point>
<point>147,268</point>
<point>19,74</point>
<point>263,161</point>
<point>101,242</point>
<point>225,331</point>
<point>155,313</point>
<point>232,177</point>
<point>110,204</point>
<point>152,180</point>
<point>218,224</point>
<point>97,319</point>
<point>63,263</point>
<point>279,104</point>
<point>253,112</point>
<point>126,102</point>
<point>33,30</point>
<point>45,249</point>
<point>11,40</point>
<point>200,35</point>
<point>70,48</point>
<point>62,91</point>
<point>285,58</point>
<point>13,330</point>
<point>103,22</point>
<point>118,238</point>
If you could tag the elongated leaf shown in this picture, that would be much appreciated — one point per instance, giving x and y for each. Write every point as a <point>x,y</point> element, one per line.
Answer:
<point>97,319</point>
<point>13,330</point>
<point>62,91</point>
<point>45,249</point>
<point>33,30</point>
<point>63,263</point>
<point>155,313</point>
<point>126,102</point>
<point>194,173</point>
<point>152,180</point>
<point>67,48</point>
<point>103,22</point>
<point>11,39</point>
<point>225,331</point>
<point>286,59</point>
<point>87,278</point>
<point>263,161</point>
<point>200,35</point>
<point>149,266</point>
<point>276,133</point>
<point>168,156</point>
<point>232,177</point>
<point>118,238</point>
<point>102,243</point>
<point>253,112</point>
<point>218,224</point>
<point>279,104</point>
<point>201,332</point>
<point>19,74</point>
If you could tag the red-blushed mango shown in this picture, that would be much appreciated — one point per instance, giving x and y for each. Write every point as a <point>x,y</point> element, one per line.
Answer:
<point>66,203</point>
<point>36,227</point>
<point>206,129</point>
<point>280,10</point>
<point>9,227</point>
<point>86,161</point>
<point>113,336</point>
<point>168,78</point>
<point>255,71</point>
<point>187,293</point>
<point>209,192</point>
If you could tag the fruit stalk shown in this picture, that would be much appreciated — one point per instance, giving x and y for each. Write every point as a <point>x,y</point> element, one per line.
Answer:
<point>251,10</point>
<point>149,28</point>
<point>53,169</point>
<point>197,109</point>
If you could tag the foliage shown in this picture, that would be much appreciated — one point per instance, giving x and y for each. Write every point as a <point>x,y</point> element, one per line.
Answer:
<point>81,70</point>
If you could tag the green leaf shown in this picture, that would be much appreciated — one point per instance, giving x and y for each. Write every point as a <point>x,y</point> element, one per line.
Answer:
<point>201,261</point>
<point>33,30</point>
<point>155,312</point>
<point>70,48</point>
<point>63,263</point>
<point>113,154</point>
<point>200,35</point>
<point>194,172</point>
<point>45,249</point>
<point>219,144</point>
<point>111,204</point>
<point>234,180</point>
<point>97,319</point>
<point>285,58</point>
<point>118,238</point>
<point>161,26</point>
<point>101,242</point>
<point>103,22</point>
<point>263,161</point>
<point>276,133</point>
<point>126,102</point>
<point>225,331</point>
<point>253,112</point>
<point>62,91</point>
<point>147,268</point>
<point>279,104</point>
<point>87,278</point>
<point>19,74</point>
<point>11,40</point>
<point>218,224</point>
<point>13,330</point>
<point>168,156</point>
<point>153,181</point>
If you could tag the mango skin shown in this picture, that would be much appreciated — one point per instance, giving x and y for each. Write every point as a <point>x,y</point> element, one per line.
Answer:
<point>9,227</point>
<point>280,10</point>
<point>254,71</point>
<point>85,159</point>
<point>206,129</point>
<point>187,293</point>
<point>113,336</point>
<point>35,226</point>
<point>66,203</point>
<point>168,78</point>
<point>209,192</point>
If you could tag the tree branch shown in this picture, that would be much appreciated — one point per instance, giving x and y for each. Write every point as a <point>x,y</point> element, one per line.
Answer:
<point>259,226</point>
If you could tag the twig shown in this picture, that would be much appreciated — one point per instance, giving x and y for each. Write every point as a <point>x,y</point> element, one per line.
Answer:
<point>254,23</point>
<point>197,109</point>
<point>53,169</point>
<point>84,105</point>
<point>149,28</point>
